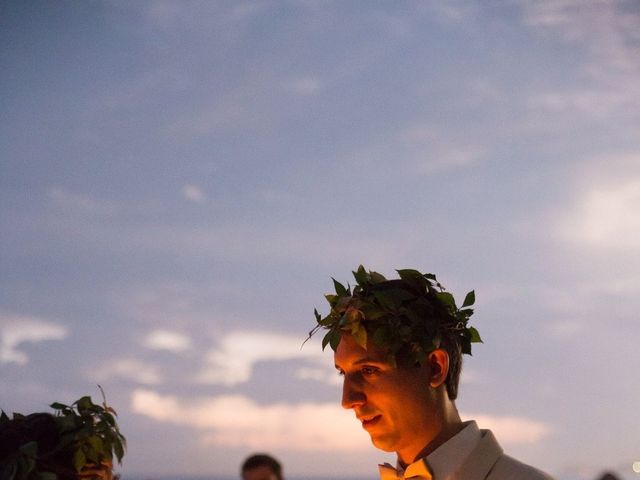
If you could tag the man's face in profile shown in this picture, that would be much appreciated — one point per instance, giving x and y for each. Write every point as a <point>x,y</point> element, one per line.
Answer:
<point>261,472</point>
<point>393,404</point>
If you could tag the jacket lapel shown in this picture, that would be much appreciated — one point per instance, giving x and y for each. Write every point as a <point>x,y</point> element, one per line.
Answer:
<point>481,460</point>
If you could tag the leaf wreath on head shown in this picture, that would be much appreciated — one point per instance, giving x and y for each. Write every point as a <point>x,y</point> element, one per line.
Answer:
<point>407,316</point>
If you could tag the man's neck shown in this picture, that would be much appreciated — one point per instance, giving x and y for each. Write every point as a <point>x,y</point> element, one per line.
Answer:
<point>451,424</point>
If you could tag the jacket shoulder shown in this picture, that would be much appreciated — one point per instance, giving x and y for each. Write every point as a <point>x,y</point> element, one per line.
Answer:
<point>508,468</point>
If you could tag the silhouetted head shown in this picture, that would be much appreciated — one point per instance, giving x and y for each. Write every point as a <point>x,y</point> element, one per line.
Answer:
<point>261,466</point>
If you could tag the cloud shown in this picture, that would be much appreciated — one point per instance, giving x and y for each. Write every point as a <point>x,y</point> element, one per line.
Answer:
<point>304,86</point>
<point>452,11</point>
<point>605,216</point>
<point>232,360</point>
<point>132,92</point>
<point>78,203</point>
<point>433,152</point>
<point>128,369</point>
<point>18,329</point>
<point>193,193</point>
<point>167,340</point>
<point>565,329</point>
<point>324,374</point>
<point>167,14</point>
<point>272,195</point>
<point>601,213</point>
<point>169,305</point>
<point>512,430</point>
<point>607,31</point>
<point>237,421</point>
<point>447,158</point>
<point>246,243</point>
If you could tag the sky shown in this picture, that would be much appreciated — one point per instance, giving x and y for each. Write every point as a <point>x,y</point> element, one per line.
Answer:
<point>179,181</point>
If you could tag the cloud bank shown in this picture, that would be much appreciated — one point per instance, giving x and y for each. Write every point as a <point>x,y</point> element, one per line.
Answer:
<point>232,360</point>
<point>128,369</point>
<point>511,430</point>
<point>238,421</point>
<point>167,340</point>
<point>18,329</point>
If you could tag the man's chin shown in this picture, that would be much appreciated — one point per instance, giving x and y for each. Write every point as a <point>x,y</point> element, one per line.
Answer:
<point>382,442</point>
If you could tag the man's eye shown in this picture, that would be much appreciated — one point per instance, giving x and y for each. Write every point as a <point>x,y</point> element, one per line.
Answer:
<point>369,370</point>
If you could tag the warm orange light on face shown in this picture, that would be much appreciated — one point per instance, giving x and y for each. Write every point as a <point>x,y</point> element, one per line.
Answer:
<point>396,406</point>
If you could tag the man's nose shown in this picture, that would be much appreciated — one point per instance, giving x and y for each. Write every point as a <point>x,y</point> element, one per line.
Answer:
<point>352,394</point>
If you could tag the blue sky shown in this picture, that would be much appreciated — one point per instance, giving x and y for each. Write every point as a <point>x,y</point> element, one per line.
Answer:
<point>180,180</point>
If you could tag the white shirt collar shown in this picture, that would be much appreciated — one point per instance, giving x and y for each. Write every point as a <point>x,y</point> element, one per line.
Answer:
<point>445,460</point>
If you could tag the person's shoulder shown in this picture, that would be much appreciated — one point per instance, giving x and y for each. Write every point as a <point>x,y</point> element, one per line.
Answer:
<point>508,468</point>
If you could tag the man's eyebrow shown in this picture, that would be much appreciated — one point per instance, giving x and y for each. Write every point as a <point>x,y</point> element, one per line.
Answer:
<point>363,360</point>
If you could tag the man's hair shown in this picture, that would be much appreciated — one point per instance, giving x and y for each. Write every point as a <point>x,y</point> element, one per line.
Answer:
<point>409,317</point>
<point>449,341</point>
<point>451,344</point>
<point>262,459</point>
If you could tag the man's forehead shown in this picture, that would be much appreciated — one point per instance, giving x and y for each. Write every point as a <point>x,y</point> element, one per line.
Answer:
<point>349,352</point>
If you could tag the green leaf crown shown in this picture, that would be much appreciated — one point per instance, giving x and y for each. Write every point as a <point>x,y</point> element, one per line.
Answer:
<point>409,316</point>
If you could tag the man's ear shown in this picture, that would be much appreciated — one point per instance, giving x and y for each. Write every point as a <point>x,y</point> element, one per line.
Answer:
<point>438,361</point>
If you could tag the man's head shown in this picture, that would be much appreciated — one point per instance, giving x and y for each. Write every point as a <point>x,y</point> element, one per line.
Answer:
<point>261,466</point>
<point>399,345</point>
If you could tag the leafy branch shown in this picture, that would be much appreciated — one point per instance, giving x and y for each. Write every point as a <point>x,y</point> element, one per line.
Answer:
<point>80,437</point>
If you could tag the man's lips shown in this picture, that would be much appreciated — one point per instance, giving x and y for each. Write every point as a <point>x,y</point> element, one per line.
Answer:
<point>369,421</point>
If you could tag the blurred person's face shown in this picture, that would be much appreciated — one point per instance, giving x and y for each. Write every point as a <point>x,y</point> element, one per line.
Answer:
<point>395,405</point>
<point>263,472</point>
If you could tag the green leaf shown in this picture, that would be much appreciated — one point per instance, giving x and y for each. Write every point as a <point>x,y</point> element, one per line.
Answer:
<point>79,460</point>
<point>377,277</point>
<point>340,289</point>
<point>317,315</point>
<point>47,476</point>
<point>469,299</point>
<point>109,419</point>
<point>59,406</point>
<point>387,299</point>
<point>360,336</point>
<point>353,315</point>
<point>118,447</point>
<point>93,456</point>
<point>447,299</point>
<point>466,346</point>
<point>334,339</point>
<point>96,443</point>
<point>30,449</point>
<point>331,298</point>
<point>361,275</point>
<point>373,314</point>
<point>326,339</point>
<point>409,274</point>
<point>381,336</point>
<point>84,405</point>
<point>475,336</point>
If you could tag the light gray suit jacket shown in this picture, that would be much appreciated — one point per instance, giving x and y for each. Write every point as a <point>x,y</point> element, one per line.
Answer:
<point>488,462</point>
